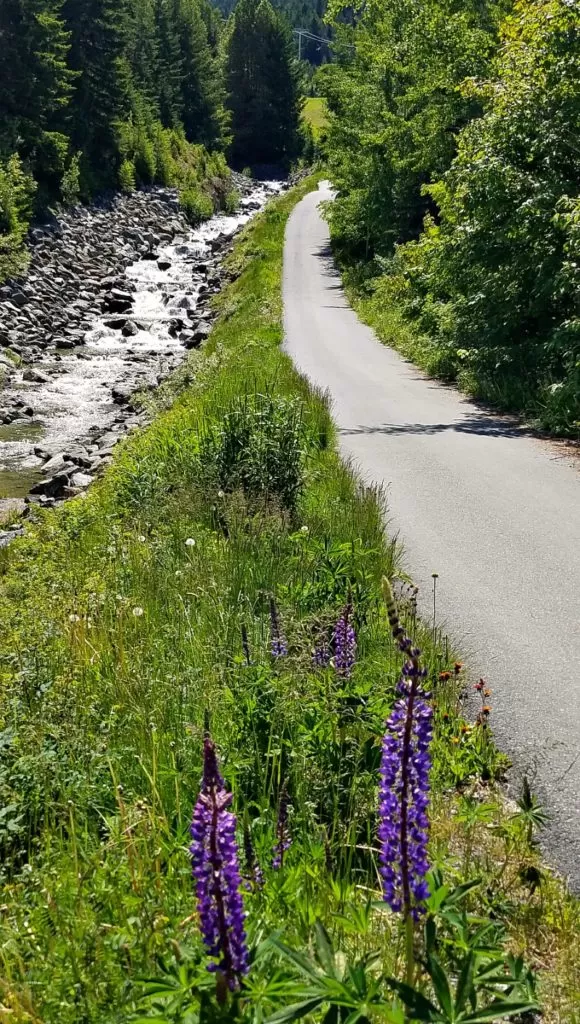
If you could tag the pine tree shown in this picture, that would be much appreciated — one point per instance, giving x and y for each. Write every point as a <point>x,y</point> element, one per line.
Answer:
<point>170,64</point>
<point>202,100</point>
<point>100,32</point>
<point>143,56</point>
<point>35,82</point>
<point>262,85</point>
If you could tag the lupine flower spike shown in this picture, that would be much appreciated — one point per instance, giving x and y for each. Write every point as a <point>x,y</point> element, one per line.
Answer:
<point>279,647</point>
<point>283,838</point>
<point>404,787</point>
<point>214,856</point>
<point>344,643</point>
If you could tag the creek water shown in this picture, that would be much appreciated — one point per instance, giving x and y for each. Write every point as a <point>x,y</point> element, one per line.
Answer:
<point>74,405</point>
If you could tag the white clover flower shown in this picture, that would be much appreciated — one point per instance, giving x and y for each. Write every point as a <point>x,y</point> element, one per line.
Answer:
<point>221,494</point>
<point>304,529</point>
<point>190,543</point>
<point>178,572</point>
<point>141,539</point>
<point>138,612</point>
<point>74,618</point>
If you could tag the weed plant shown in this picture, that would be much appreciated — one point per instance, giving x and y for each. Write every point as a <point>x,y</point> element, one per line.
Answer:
<point>144,614</point>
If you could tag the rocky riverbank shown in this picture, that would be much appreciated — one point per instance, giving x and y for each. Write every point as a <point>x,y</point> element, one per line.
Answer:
<point>114,297</point>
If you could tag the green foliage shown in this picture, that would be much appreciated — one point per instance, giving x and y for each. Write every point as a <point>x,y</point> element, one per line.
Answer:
<point>90,89</point>
<point>127,176</point>
<point>232,201</point>
<point>196,205</point>
<point>497,278</point>
<point>458,189</point>
<point>262,86</point>
<point>395,108</point>
<point>258,447</point>
<point>122,623</point>
<point>17,192</point>
<point>70,186</point>
<point>301,14</point>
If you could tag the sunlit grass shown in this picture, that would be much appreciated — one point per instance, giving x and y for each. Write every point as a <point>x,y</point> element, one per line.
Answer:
<point>122,623</point>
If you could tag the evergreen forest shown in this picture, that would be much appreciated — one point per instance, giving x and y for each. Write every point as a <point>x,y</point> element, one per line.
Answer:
<point>114,94</point>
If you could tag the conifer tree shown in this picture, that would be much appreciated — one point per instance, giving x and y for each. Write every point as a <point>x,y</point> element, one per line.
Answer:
<point>100,31</point>
<point>170,65</point>
<point>262,85</point>
<point>35,81</point>
<point>202,101</point>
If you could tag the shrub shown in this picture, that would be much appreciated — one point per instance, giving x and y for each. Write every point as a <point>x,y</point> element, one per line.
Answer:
<point>196,205</point>
<point>70,186</point>
<point>232,201</point>
<point>258,447</point>
<point>127,176</point>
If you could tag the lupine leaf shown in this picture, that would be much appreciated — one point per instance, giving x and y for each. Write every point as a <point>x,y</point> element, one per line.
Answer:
<point>296,1011</point>
<point>497,1010</point>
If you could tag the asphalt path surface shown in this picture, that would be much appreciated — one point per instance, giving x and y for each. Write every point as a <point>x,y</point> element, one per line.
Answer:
<point>494,511</point>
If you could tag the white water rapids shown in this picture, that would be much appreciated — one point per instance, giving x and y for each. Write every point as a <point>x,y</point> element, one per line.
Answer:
<point>76,403</point>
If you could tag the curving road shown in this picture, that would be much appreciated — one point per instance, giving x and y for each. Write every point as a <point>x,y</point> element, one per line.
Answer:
<point>495,512</point>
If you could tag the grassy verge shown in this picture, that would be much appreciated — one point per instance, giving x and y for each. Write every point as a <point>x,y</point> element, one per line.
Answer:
<point>520,392</point>
<point>133,616</point>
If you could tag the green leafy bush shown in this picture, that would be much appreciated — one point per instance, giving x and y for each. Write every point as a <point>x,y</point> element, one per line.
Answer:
<point>196,204</point>
<point>232,201</point>
<point>70,187</point>
<point>258,447</point>
<point>127,176</point>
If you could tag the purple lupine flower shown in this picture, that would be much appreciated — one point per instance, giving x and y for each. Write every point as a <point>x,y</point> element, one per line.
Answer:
<point>214,856</point>
<point>278,645</point>
<point>253,870</point>
<point>321,655</point>
<point>344,643</point>
<point>283,838</point>
<point>404,788</point>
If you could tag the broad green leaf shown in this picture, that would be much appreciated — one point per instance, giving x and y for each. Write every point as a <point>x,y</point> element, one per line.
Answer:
<point>295,1012</point>
<point>500,1009</point>
<point>441,985</point>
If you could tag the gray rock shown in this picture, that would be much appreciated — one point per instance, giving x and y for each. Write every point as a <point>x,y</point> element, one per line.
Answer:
<point>57,464</point>
<point>51,488</point>
<point>81,479</point>
<point>202,331</point>
<point>163,263</point>
<point>115,322</point>
<point>35,376</point>
<point>130,329</point>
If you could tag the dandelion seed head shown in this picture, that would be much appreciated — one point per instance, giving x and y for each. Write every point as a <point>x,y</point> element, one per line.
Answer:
<point>138,612</point>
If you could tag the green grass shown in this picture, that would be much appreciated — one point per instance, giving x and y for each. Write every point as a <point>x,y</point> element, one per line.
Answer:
<point>314,112</point>
<point>122,623</point>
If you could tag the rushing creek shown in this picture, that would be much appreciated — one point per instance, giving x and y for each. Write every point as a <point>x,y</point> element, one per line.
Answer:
<point>72,404</point>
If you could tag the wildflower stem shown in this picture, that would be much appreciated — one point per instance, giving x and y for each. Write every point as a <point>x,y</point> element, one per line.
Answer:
<point>409,950</point>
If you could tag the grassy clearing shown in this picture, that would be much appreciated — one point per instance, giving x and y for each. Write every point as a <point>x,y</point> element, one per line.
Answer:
<point>315,113</point>
<point>133,615</point>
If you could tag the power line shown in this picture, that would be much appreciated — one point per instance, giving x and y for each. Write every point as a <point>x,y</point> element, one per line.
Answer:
<point>308,35</point>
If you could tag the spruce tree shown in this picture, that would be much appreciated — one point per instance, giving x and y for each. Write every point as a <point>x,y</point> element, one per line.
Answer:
<point>201,86</point>
<point>170,64</point>
<point>262,86</point>
<point>35,81</point>
<point>100,32</point>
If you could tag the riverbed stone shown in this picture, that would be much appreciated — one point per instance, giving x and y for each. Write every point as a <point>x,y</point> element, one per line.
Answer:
<point>34,376</point>
<point>51,488</point>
